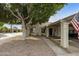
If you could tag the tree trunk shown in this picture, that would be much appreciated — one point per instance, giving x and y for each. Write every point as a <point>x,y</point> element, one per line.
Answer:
<point>24,30</point>
<point>28,30</point>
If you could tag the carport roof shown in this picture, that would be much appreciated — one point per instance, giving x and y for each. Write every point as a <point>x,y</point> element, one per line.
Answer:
<point>64,19</point>
<point>45,24</point>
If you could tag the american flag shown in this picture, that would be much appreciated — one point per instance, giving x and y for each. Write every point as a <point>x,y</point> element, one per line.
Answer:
<point>75,23</point>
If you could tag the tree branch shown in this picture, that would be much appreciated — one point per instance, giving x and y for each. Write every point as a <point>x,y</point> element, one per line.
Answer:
<point>26,17</point>
<point>14,14</point>
<point>19,14</point>
<point>29,22</point>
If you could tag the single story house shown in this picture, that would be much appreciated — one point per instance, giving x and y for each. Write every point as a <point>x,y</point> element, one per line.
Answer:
<point>61,29</point>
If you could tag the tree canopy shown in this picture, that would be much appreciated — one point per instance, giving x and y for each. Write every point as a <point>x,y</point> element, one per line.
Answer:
<point>28,13</point>
<point>34,12</point>
<point>5,15</point>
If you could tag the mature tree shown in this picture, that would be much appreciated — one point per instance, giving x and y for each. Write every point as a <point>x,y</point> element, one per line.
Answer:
<point>32,13</point>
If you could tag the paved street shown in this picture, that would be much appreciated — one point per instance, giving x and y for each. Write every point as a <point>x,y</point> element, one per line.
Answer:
<point>33,46</point>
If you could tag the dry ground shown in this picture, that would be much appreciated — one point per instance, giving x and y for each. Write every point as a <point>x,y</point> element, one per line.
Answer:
<point>2,35</point>
<point>30,47</point>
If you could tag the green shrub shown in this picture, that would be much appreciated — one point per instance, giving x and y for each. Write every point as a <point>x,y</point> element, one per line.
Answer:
<point>1,24</point>
<point>4,29</point>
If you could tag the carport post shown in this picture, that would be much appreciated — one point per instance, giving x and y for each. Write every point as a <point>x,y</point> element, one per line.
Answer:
<point>64,34</point>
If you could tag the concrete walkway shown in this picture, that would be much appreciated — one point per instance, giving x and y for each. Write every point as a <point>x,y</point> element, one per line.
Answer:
<point>58,50</point>
<point>73,50</point>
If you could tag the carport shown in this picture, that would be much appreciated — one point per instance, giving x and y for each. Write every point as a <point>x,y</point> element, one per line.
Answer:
<point>61,30</point>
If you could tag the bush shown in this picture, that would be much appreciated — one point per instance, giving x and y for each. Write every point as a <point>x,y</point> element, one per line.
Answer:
<point>1,24</point>
<point>4,29</point>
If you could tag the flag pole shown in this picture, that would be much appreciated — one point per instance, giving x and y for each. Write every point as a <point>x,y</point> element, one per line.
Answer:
<point>78,35</point>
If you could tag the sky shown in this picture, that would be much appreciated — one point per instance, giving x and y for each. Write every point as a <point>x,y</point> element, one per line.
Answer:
<point>66,11</point>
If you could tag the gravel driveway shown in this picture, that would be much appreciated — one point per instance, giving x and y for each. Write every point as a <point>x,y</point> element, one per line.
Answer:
<point>30,47</point>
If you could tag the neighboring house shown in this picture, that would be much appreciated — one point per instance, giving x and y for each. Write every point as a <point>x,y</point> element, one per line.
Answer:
<point>13,26</point>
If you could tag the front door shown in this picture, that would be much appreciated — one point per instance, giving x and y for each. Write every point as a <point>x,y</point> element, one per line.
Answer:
<point>50,32</point>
